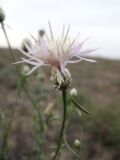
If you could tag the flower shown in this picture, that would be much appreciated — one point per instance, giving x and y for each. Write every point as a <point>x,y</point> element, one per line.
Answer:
<point>57,53</point>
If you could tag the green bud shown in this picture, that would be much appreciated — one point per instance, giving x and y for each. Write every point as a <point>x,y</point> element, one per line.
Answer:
<point>25,69</point>
<point>77,143</point>
<point>25,42</point>
<point>2,15</point>
<point>41,32</point>
<point>73,92</point>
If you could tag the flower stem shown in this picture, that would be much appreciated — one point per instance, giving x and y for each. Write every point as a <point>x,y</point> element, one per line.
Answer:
<point>8,125</point>
<point>20,86</point>
<point>9,46</point>
<point>17,69</point>
<point>63,125</point>
<point>70,148</point>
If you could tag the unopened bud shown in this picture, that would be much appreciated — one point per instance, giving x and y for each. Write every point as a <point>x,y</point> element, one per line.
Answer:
<point>25,69</point>
<point>77,143</point>
<point>2,15</point>
<point>41,32</point>
<point>73,92</point>
<point>26,42</point>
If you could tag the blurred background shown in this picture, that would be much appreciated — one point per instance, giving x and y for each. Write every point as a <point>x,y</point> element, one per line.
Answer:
<point>98,85</point>
<point>94,18</point>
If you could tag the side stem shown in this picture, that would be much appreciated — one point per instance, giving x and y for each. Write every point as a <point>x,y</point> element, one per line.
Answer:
<point>9,46</point>
<point>63,125</point>
<point>17,69</point>
<point>8,125</point>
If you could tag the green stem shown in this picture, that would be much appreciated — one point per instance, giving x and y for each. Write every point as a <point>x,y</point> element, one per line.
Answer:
<point>17,70</point>
<point>70,148</point>
<point>22,78</point>
<point>9,46</point>
<point>8,125</point>
<point>39,134</point>
<point>63,125</point>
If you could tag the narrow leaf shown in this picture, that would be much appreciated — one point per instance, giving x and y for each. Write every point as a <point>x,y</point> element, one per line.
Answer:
<point>79,106</point>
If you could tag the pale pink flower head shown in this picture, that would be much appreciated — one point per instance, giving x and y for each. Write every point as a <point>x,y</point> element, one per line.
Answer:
<point>55,52</point>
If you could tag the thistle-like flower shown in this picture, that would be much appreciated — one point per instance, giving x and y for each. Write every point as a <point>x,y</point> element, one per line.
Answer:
<point>57,53</point>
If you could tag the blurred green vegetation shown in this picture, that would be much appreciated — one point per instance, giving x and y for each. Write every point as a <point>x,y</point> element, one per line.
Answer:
<point>106,126</point>
<point>98,88</point>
